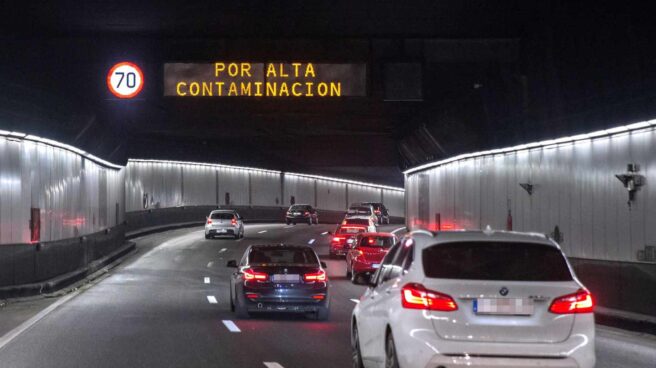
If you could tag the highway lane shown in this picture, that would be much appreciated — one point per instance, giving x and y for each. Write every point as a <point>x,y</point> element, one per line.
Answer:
<point>169,307</point>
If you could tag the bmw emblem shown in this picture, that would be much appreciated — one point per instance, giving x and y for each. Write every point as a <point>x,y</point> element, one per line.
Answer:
<point>504,291</point>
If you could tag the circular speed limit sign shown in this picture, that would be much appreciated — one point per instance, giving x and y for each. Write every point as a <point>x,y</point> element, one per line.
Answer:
<point>125,80</point>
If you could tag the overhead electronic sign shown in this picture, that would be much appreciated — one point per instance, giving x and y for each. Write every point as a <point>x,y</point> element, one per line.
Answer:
<point>244,79</point>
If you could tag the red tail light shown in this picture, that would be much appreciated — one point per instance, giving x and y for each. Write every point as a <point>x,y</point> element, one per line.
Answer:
<point>209,221</point>
<point>338,239</point>
<point>253,275</point>
<point>579,302</point>
<point>234,221</point>
<point>252,295</point>
<point>416,296</point>
<point>315,276</point>
<point>307,213</point>
<point>377,212</point>
<point>319,296</point>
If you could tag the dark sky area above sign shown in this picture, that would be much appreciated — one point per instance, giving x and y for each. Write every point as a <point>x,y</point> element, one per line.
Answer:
<point>246,79</point>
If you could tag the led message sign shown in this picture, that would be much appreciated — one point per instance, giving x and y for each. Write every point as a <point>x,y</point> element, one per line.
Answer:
<point>226,79</point>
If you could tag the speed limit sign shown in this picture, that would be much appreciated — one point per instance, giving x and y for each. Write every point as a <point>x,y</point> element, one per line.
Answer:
<point>125,80</point>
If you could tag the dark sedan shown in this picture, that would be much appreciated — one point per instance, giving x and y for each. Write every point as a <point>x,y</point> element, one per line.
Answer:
<point>279,278</point>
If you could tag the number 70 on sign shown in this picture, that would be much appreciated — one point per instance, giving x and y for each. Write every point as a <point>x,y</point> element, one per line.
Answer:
<point>125,80</point>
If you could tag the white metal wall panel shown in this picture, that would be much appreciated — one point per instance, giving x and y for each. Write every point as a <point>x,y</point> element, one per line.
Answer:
<point>235,182</point>
<point>394,200</point>
<point>265,189</point>
<point>199,185</point>
<point>574,188</point>
<point>331,195</point>
<point>301,188</point>
<point>361,193</point>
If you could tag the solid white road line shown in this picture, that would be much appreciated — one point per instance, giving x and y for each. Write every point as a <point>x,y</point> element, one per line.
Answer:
<point>6,339</point>
<point>356,301</point>
<point>324,233</point>
<point>207,280</point>
<point>212,299</point>
<point>262,232</point>
<point>223,250</point>
<point>399,229</point>
<point>210,264</point>
<point>231,326</point>
<point>311,241</point>
<point>272,365</point>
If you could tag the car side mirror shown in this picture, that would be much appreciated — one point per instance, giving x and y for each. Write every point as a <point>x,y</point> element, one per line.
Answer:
<point>232,263</point>
<point>364,279</point>
<point>323,264</point>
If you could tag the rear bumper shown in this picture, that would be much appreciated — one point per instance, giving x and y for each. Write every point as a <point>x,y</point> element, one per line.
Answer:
<point>298,218</point>
<point>338,249</point>
<point>498,362</point>
<point>221,231</point>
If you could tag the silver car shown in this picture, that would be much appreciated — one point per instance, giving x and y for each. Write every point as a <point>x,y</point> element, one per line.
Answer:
<point>224,222</point>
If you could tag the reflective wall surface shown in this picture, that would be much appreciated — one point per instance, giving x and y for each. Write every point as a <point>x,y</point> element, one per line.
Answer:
<point>49,193</point>
<point>161,184</point>
<point>574,196</point>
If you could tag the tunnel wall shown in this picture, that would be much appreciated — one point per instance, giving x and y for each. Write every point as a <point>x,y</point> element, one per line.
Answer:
<point>153,185</point>
<point>611,244</point>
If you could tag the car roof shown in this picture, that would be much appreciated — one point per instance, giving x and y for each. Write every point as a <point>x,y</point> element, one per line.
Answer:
<point>300,204</point>
<point>223,211</point>
<point>280,246</point>
<point>425,238</point>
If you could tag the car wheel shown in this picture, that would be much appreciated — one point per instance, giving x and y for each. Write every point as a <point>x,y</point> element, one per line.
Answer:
<point>391,360</point>
<point>232,302</point>
<point>310,222</point>
<point>288,222</point>
<point>241,310</point>
<point>322,314</point>
<point>237,235</point>
<point>355,346</point>
<point>294,223</point>
<point>207,236</point>
<point>348,272</point>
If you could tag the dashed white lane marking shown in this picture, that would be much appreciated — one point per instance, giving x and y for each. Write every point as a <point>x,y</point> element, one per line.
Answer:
<point>396,230</point>
<point>355,301</point>
<point>272,365</point>
<point>6,339</point>
<point>212,299</point>
<point>206,280</point>
<point>324,233</point>
<point>311,241</point>
<point>210,264</point>
<point>231,326</point>
<point>262,232</point>
<point>223,250</point>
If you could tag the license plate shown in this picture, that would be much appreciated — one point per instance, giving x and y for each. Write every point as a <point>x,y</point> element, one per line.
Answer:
<point>285,278</point>
<point>222,230</point>
<point>375,265</point>
<point>504,306</point>
<point>296,213</point>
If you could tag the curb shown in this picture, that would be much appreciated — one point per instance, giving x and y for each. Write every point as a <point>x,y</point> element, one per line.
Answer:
<point>625,320</point>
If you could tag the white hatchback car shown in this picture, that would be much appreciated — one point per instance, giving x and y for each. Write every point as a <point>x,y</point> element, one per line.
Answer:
<point>474,299</point>
<point>224,222</point>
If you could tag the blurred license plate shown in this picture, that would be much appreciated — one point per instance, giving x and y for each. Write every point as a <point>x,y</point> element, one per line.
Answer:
<point>504,306</point>
<point>375,265</point>
<point>285,278</point>
<point>222,230</point>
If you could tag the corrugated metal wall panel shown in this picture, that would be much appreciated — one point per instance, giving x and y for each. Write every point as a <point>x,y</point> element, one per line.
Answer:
<point>331,195</point>
<point>394,200</point>
<point>265,189</point>
<point>199,185</point>
<point>234,182</point>
<point>361,193</point>
<point>301,188</point>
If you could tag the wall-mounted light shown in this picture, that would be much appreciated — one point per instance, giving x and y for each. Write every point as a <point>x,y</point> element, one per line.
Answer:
<point>631,180</point>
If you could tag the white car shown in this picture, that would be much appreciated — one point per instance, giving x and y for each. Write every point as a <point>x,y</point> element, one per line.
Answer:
<point>361,211</point>
<point>224,222</point>
<point>474,299</point>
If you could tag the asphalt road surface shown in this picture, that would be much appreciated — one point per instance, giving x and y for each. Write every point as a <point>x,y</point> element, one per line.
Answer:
<point>168,306</point>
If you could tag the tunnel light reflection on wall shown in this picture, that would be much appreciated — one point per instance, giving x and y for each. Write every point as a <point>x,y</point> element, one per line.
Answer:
<point>551,142</point>
<point>377,186</point>
<point>221,166</point>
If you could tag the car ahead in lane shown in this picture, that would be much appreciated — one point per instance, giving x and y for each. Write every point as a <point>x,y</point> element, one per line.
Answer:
<point>380,211</point>
<point>224,222</point>
<point>302,213</point>
<point>366,253</point>
<point>475,299</point>
<point>345,233</point>
<point>358,210</point>
<point>279,278</point>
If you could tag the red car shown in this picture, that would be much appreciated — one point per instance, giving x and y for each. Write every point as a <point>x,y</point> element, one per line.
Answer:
<point>367,252</point>
<point>343,237</point>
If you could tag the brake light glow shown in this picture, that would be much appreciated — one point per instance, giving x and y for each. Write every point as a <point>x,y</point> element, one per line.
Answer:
<point>252,295</point>
<point>338,239</point>
<point>372,241</point>
<point>307,213</point>
<point>319,296</point>
<point>234,221</point>
<point>209,221</point>
<point>315,276</point>
<point>579,302</point>
<point>253,275</point>
<point>416,296</point>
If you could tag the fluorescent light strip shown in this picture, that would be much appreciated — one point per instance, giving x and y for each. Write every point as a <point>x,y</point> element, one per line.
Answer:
<point>551,142</point>
<point>377,186</point>
<point>139,160</point>
<point>50,142</point>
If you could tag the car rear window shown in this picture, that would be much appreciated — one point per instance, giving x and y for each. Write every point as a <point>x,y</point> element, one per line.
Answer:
<point>299,208</point>
<point>364,222</point>
<point>222,216</point>
<point>377,241</point>
<point>495,261</point>
<point>359,211</point>
<point>351,230</point>
<point>282,256</point>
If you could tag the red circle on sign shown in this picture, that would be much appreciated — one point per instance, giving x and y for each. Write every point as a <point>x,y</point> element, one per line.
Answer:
<point>111,72</point>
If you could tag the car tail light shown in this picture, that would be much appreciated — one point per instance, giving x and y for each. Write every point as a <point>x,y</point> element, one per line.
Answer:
<point>253,275</point>
<point>372,241</point>
<point>315,276</point>
<point>234,221</point>
<point>579,302</point>
<point>307,213</point>
<point>252,295</point>
<point>377,212</point>
<point>338,239</point>
<point>209,221</point>
<point>319,296</point>
<point>416,296</point>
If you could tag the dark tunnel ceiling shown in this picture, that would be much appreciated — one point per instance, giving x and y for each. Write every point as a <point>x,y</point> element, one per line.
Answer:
<point>494,74</point>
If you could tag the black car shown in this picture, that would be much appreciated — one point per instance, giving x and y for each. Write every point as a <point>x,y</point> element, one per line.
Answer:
<point>302,213</point>
<point>380,211</point>
<point>279,278</point>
